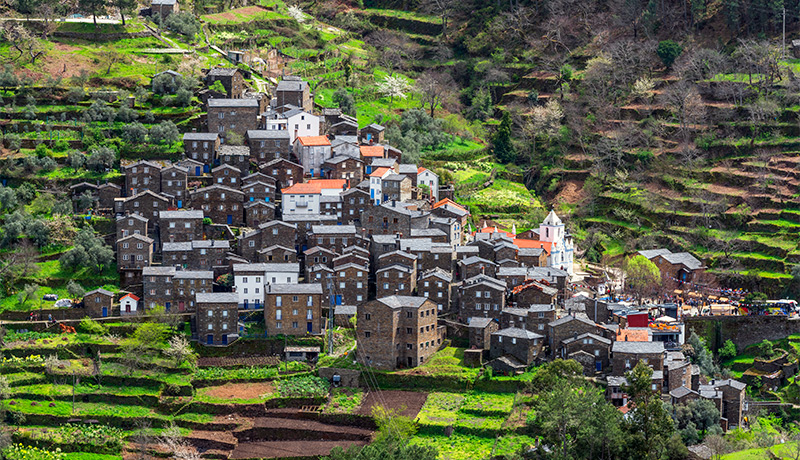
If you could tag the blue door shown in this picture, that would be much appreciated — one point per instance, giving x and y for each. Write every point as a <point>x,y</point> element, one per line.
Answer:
<point>369,137</point>
<point>266,199</point>
<point>309,326</point>
<point>197,170</point>
<point>230,219</point>
<point>312,173</point>
<point>598,365</point>
<point>210,339</point>
<point>205,168</point>
<point>167,305</point>
<point>224,339</point>
<point>180,203</point>
<point>338,300</point>
<point>105,312</point>
<point>245,304</point>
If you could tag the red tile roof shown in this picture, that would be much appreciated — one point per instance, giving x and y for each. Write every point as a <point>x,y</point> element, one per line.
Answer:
<point>315,186</point>
<point>131,296</point>
<point>312,141</point>
<point>445,201</point>
<point>371,151</point>
<point>379,172</point>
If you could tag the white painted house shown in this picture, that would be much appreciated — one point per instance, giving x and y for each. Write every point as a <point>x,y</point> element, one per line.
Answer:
<point>429,178</point>
<point>305,198</point>
<point>297,122</point>
<point>129,305</point>
<point>249,281</point>
<point>553,231</point>
<point>376,184</point>
<point>312,152</point>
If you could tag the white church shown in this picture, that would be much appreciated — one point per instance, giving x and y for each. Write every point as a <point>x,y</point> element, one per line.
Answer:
<point>561,252</point>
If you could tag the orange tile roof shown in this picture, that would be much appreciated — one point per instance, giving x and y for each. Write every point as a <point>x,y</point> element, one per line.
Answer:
<point>630,335</point>
<point>312,141</point>
<point>420,169</point>
<point>371,151</point>
<point>314,186</point>
<point>379,172</point>
<point>131,296</point>
<point>523,243</point>
<point>445,201</point>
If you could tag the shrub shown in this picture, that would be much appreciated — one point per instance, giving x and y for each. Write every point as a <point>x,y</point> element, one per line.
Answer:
<point>183,23</point>
<point>90,326</point>
<point>668,51</point>
<point>164,132</point>
<point>728,350</point>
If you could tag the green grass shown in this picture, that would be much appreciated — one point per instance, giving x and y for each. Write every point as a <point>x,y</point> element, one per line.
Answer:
<point>344,400</point>
<point>446,362</point>
<point>64,408</point>
<point>489,403</point>
<point>781,451</point>
<point>240,17</point>
<point>410,15</point>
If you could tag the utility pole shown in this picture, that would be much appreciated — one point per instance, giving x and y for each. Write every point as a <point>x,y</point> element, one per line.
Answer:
<point>331,301</point>
<point>783,49</point>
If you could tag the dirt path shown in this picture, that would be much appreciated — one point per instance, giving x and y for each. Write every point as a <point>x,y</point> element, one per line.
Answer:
<point>238,390</point>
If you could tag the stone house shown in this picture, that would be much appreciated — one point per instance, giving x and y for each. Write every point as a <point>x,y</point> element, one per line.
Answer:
<point>331,206</point>
<point>196,255</point>
<point>285,172</point>
<point>393,217</point>
<point>434,234</point>
<point>372,134</point>
<point>436,284</point>
<point>292,90</point>
<point>106,193</point>
<point>313,152</point>
<point>532,257</point>
<point>277,253</point>
<point>344,128</point>
<point>257,177</point>
<point>201,147</point>
<point>223,205</point>
<point>480,331</point>
<point>267,145</point>
<point>233,115</point>
<point>193,168</point>
<point>351,285</point>
<point>568,326</point>
<point>395,280</point>
<point>180,226</point>
<point>132,224</point>
<point>237,156</point>
<point>397,331</point>
<point>344,167</point>
<point>351,257</point>
<point>305,198</point>
<point>335,237</point>
<point>504,251</point>
<point>427,178</point>
<point>451,209</point>
<point>163,7</point>
<point>625,356</point>
<point>157,286</point>
<point>539,316</point>
<point>173,183</point>
<point>465,252</point>
<point>267,234</point>
<point>293,309</point>
<point>258,212</point>
<point>353,201</point>
<point>186,284</point>
<point>397,258</point>
<point>729,396</point>
<point>342,315</point>
<point>596,346</point>
<point>134,252</point>
<point>147,204</point>
<point>474,266</point>
<point>521,347</point>
<point>141,176</point>
<point>98,303</point>
<point>677,371</point>
<point>533,292</point>
<point>217,318</point>
<point>396,187</point>
<point>231,79</point>
<point>481,295</point>
<point>227,175</point>
<point>319,255</point>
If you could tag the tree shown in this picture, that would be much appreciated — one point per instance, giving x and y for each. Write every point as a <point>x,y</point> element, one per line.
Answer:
<point>164,132</point>
<point>434,88</point>
<point>16,265</point>
<point>668,51</point>
<point>502,148</point>
<point>701,355</point>
<point>38,232</point>
<point>89,251</point>
<point>75,290</point>
<point>442,8</point>
<point>482,104</point>
<point>27,293</point>
<point>642,276</point>
<point>124,6</point>
<point>345,101</point>
<point>394,86</point>
<point>686,105</point>
<point>110,57</point>
<point>728,350</point>
<point>649,424</point>
<point>181,351</point>
<point>218,87</point>
<point>8,79</point>
<point>183,23</point>
<point>22,40</point>
<point>93,7</point>
<point>135,133</point>
<point>760,112</point>
<point>766,349</point>
<point>100,159</point>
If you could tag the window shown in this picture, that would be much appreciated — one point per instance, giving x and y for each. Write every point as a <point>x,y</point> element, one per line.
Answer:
<point>278,325</point>
<point>367,334</point>
<point>278,301</point>
<point>294,311</point>
<point>478,294</point>
<point>386,285</point>
<point>278,314</point>
<point>224,326</point>
<point>210,327</point>
<point>294,324</point>
<point>487,294</point>
<point>210,313</point>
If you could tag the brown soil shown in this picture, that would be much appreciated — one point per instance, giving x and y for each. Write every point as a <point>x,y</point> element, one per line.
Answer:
<point>232,15</point>
<point>409,403</point>
<point>281,449</point>
<point>239,390</point>
<point>227,362</point>
<point>571,193</point>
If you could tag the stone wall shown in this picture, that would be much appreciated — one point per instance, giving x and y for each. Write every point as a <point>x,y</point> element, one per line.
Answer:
<point>741,330</point>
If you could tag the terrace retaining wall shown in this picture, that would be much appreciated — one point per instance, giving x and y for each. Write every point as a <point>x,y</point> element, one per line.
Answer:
<point>741,330</point>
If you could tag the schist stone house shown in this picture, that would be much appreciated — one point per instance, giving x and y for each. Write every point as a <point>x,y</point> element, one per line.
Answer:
<point>234,115</point>
<point>163,7</point>
<point>201,147</point>
<point>397,331</point>
<point>294,91</point>
<point>231,79</point>
<point>217,318</point>
<point>293,309</point>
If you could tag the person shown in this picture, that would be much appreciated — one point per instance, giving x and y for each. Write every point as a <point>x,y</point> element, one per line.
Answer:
<point>49,318</point>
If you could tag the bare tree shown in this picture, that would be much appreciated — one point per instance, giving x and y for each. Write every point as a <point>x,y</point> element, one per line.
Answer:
<point>442,8</point>
<point>686,105</point>
<point>173,441</point>
<point>434,87</point>
<point>143,439</point>
<point>760,112</point>
<point>760,59</point>
<point>23,41</point>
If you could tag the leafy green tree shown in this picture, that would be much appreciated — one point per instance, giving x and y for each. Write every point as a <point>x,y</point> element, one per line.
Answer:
<point>766,349</point>
<point>183,97</point>
<point>38,232</point>
<point>93,7</point>
<point>135,133</point>
<point>649,424</point>
<point>218,87</point>
<point>8,79</point>
<point>481,104</point>
<point>342,98</point>
<point>642,276</point>
<point>8,199</point>
<point>183,23</point>
<point>701,355</point>
<point>75,290</point>
<point>89,251</point>
<point>124,6</point>
<point>27,293</point>
<point>26,192</point>
<point>728,350</point>
<point>100,159</point>
<point>668,51</point>
<point>75,94</point>
<point>165,132</point>
<point>502,148</point>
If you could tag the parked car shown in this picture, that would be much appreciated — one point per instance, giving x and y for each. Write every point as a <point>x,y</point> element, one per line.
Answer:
<point>50,297</point>
<point>63,303</point>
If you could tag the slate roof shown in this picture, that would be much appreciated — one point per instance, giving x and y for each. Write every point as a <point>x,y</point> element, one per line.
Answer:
<point>290,84</point>
<point>305,288</point>
<point>400,301</point>
<point>217,297</point>
<point>650,253</point>
<point>587,335</point>
<point>180,215</point>
<point>158,271</point>
<point>268,134</point>
<point>99,291</point>
<point>225,102</point>
<point>637,347</point>
<point>268,267</point>
<point>222,72</point>
<point>437,273</point>
<point>681,392</point>
<point>570,318</point>
<point>188,274</point>
<point>348,310</point>
<point>518,333</point>
<point>333,229</point>
<point>683,258</point>
<point>407,169</point>
<point>479,322</point>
